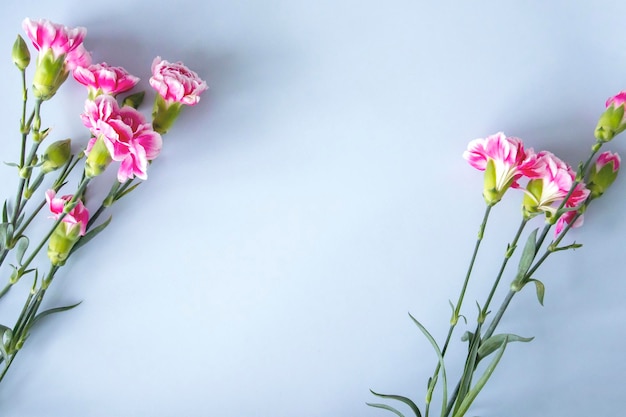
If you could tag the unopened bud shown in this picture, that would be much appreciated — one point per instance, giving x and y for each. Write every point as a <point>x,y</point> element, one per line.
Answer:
<point>20,54</point>
<point>56,155</point>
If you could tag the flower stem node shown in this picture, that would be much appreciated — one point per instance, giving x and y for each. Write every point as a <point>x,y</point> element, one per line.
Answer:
<point>56,155</point>
<point>20,54</point>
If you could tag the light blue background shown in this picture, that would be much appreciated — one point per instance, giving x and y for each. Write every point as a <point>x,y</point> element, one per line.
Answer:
<point>315,196</point>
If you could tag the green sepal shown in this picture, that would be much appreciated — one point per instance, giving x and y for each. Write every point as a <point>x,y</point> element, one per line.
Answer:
<point>526,260</point>
<point>90,235</point>
<point>134,100</point>
<point>490,345</point>
<point>20,250</point>
<point>541,289</point>
<point>405,400</point>
<point>386,407</point>
<point>473,393</point>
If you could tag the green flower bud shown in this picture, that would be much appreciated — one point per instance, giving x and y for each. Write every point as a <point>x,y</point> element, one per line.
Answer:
<point>164,114</point>
<point>603,173</point>
<point>57,154</point>
<point>20,53</point>
<point>98,159</point>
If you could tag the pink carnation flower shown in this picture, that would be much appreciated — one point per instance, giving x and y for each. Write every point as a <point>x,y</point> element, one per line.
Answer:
<point>548,188</point>
<point>617,100</point>
<point>126,135</point>
<point>79,215</point>
<point>176,83</point>
<point>105,79</point>
<point>61,40</point>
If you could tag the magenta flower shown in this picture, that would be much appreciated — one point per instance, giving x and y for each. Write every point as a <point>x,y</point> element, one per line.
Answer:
<point>47,35</point>
<point>504,161</point>
<point>78,216</point>
<point>546,191</point>
<point>176,83</point>
<point>60,50</point>
<point>617,100</point>
<point>126,135</point>
<point>105,79</point>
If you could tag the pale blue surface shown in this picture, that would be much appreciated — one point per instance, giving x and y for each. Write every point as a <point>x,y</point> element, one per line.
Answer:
<point>315,196</point>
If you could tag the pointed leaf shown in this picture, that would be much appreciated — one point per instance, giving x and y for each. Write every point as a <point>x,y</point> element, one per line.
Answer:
<point>52,311</point>
<point>91,234</point>
<point>20,250</point>
<point>490,345</point>
<point>541,290</point>
<point>471,396</point>
<point>11,164</point>
<point>405,400</point>
<point>126,191</point>
<point>526,260</point>
<point>6,334</point>
<point>386,407</point>
<point>444,378</point>
<point>5,214</point>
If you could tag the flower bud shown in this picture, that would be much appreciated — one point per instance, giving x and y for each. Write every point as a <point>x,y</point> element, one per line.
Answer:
<point>612,121</point>
<point>57,154</point>
<point>98,159</point>
<point>20,53</point>
<point>603,173</point>
<point>164,114</point>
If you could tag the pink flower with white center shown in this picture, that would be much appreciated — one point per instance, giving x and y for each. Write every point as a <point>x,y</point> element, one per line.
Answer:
<point>78,216</point>
<point>60,50</point>
<point>504,161</point>
<point>105,79</point>
<point>546,191</point>
<point>176,83</point>
<point>126,135</point>
<point>47,35</point>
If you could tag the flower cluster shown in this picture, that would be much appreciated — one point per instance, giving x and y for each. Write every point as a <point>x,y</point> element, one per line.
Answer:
<point>119,132</point>
<point>553,187</point>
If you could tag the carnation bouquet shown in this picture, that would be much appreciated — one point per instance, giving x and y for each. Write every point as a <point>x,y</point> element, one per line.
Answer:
<point>55,176</point>
<point>549,189</point>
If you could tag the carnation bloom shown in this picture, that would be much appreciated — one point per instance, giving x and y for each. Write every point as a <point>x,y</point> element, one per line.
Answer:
<point>77,217</point>
<point>60,50</point>
<point>547,189</point>
<point>504,161</point>
<point>104,79</point>
<point>125,133</point>
<point>176,83</point>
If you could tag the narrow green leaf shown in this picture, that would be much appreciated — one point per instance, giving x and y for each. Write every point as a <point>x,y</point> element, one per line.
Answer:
<point>432,341</point>
<point>386,407</point>
<point>52,311</point>
<point>526,260</point>
<point>126,191</point>
<point>405,400</point>
<point>11,164</point>
<point>20,250</point>
<point>488,346</point>
<point>5,214</point>
<point>468,371</point>
<point>568,247</point>
<point>541,290</point>
<point>471,396</point>
<point>91,234</point>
